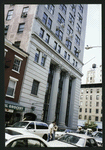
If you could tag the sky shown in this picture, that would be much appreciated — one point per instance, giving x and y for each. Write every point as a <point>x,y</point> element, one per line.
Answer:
<point>93,37</point>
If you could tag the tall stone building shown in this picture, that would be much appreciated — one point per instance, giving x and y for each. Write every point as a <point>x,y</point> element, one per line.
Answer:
<point>54,36</point>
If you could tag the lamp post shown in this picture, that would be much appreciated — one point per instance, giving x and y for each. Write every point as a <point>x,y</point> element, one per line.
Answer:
<point>90,47</point>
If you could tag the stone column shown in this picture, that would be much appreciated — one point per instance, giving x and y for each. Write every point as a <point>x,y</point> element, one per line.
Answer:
<point>53,95</point>
<point>64,97</point>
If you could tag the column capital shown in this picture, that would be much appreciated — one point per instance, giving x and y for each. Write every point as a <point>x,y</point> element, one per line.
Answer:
<point>67,74</point>
<point>58,67</point>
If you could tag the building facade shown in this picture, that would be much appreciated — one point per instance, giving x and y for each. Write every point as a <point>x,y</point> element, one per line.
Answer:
<point>54,36</point>
<point>15,62</point>
<point>90,107</point>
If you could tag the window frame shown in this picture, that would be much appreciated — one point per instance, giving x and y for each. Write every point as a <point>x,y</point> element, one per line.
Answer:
<point>35,89</point>
<point>21,29</point>
<point>6,29</point>
<point>20,59</point>
<point>60,18</point>
<point>47,38</point>
<point>58,32</point>
<point>37,55</point>
<point>77,40</point>
<point>63,8</point>
<point>45,17</point>
<point>68,44</point>
<point>49,25</point>
<point>9,15</point>
<point>41,34</point>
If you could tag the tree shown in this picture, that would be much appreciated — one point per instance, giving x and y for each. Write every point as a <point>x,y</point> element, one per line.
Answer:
<point>91,125</point>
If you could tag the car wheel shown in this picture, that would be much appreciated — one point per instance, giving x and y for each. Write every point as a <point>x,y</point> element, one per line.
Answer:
<point>45,137</point>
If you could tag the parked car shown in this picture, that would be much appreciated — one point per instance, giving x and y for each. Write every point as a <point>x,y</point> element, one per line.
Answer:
<point>98,137</point>
<point>38,128</point>
<point>28,140</point>
<point>74,140</point>
<point>59,133</point>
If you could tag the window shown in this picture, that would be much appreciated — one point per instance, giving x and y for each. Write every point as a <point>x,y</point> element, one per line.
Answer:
<point>97,103</point>
<point>90,97</point>
<point>6,29</point>
<point>59,48</point>
<point>63,8</point>
<point>96,118</point>
<point>50,8</point>
<point>60,19</point>
<point>90,110</point>
<point>100,118</point>
<point>21,27</point>
<point>59,34</point>
<point>81,103</point>
<point>97,111</point>
<point>68,44</point>
<point>79,18</point>
<point>49,23</point>
<point>81,8</point>
<point>101,111</point>
<point>76,64</point>
<point>90,78</point>
<point>98,91</point>
<point>89,117</point>
<point>82,91</point>
<point>69,30</point>
<point>9,15</point>
<point>24,12</point>
<point>87,91</point>
<point>80,116</point>
<point>55,45</point>
<point>17,63</point>
<point>97,97</point>
<point>71,19</point>
<point>41,33</point>
<point>37,56</point>
<point>44,18</point>
<point>65,54</point>
<point>77,40</point>
<point>31,126</point>
<point>76,52</point>
<point>78,28</point>
<point>41,126</point>
<point>68,57</point>
<point>17,43</point>
<point>80,110</point>
<point>43,60</point>
<point>91,90</point>
<point>85,117</point>
<point>81,97</point>
<point>73,7</point>
<point>47,38</point>
<point>73,62</point>
<point>86,96</point>
<point>85,109</point>
<point>86,103</point>
<point>35,87</point>
<point>11,87</point>
<point>90,104</point>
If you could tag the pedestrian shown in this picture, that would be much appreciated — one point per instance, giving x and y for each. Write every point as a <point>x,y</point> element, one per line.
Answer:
<point>54,130</point>
<point>51,130</point>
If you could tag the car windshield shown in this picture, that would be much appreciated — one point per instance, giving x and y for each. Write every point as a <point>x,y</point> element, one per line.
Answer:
<point>72,139</point>
<point>20,124</point>
<point>11,132</point>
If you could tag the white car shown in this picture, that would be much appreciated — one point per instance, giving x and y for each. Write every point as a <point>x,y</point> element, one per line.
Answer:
<point>98,137</point>
<point>59,133</point>
<point>28,140</point>
<point>38,128</point>
<point>74,140</point>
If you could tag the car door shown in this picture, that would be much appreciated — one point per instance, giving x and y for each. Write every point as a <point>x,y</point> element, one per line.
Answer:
<point>41,129</point>
<point>31,127</point>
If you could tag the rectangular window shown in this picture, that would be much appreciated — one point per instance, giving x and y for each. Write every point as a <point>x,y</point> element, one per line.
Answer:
<point>85,117</point>
<point>59,49</point>
<point>80,110</point>
<point>97,111</point>
<point>50,8</point>
<point>41,33</point>
<point>63,8</point>
<point>81,97</point>
<point>21,27</point>
<point>24,12</point>
<point>73,7</point>
<point>44,18</point>
<point>43,60</point>
<point>76,64</point>
<point>91,90</point>
<point>11,87</point>
<point>77,40</point>
<point>71,19</point>
<point>73,62</point>
<point>78,28</point>
<point>9,15</point>
<point>76,52</point>
<point>86,103</point>
<point>81,8</point>
<point>6,29</point>
<point>85,109</point>
<point>37,56</point>
<point>47,38</point>
<point>86,96</point>
<point>35,87</point>
<point>82,91</point>
<point>89,117</point>
<point>90,104</point>
<point>68,57</point>
<point>17,64</point>
<point>81,103</point>
<point>90,97</point>
<point>96,118</point>
<point>90,110</point>
<point>55,45</point>
<point>59,34</point>
<point>79,18</point>
<point>68,44</point>
<point>69,30</point>
<point>97,103</point>
<point>97,90</point>
<point>97,97</point>
<point>60,19</point>
<point>65,54</point>
<point>87,91</point>
<point>49,23</point>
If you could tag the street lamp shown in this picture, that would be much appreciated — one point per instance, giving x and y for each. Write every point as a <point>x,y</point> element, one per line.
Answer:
<point>89,47</point>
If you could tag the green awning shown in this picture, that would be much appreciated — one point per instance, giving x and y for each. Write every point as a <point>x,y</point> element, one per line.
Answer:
<point>14,106</point>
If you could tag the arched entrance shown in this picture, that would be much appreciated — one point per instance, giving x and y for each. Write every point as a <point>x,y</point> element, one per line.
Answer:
<point>30,116</point>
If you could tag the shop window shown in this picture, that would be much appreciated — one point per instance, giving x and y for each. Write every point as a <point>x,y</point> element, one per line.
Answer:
<point>35,86</point>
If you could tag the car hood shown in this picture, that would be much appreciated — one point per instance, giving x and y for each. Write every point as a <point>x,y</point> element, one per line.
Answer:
<point>98,139</point>
<point>57,143</point>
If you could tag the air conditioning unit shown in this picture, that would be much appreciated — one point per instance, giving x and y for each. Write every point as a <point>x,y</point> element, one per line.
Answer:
<point>24,14</point>
<point>71,35</point>
<point>63,25</point>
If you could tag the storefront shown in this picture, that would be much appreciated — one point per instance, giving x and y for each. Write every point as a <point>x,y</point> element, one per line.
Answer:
<point>13,112</point>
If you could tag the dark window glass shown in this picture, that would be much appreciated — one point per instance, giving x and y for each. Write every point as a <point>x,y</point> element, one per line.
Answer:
<point>77,40</point>
<point>76,52</point>
<point>60,19</point>
<point>59,34</point>
<point>96,118</point>
<point>47,38</point>
<point>17,43</point>
<point>63,8</point>
<point>80,109</point>
<point>44,18</point>
<point>41,126</point>
<point>97,111</point>
<point>16,64</point>
<point>21,27</point>
<point>55,45</point>
<point>65,54</point>
<point>35,87</point>
<point>37,56</point>
<point>41,33</point>
<point>59,48</point>
<point>71,19</point>
<point>49,23</point>
<point>68,57</point>
<point>68,44</point>
<point>43,61</point>
<point>9,15</point>
<point>31,126</point>
<point>85,109</point>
